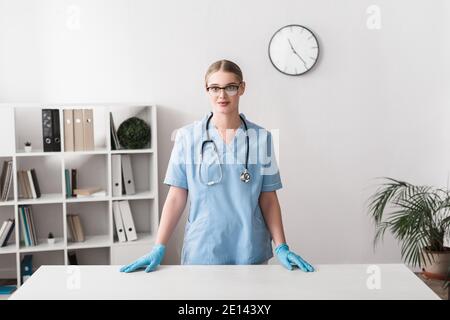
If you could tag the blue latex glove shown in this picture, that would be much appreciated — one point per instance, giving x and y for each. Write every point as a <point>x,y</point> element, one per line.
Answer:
<point>289,259</point>
<point>149,261</point>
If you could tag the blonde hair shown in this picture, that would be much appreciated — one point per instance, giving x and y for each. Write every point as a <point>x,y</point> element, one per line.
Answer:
<point>226,66</point>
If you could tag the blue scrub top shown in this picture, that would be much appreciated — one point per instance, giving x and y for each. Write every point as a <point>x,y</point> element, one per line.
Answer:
<point>225,224</point>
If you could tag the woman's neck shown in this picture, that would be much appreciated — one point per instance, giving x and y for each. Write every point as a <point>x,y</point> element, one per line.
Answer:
<point>226,121</point>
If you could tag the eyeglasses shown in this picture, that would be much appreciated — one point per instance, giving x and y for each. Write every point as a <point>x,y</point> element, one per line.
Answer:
<point>230,89</point>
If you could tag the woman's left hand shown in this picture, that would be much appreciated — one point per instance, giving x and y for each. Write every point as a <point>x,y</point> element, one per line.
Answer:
<point>290,259</point>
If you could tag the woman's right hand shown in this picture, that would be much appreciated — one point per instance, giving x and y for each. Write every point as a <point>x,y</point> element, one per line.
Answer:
<point>149,261</point>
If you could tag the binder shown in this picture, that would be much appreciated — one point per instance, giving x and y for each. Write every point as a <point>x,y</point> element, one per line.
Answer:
<point>50,130</point>
<point>47,130</point>
<point>118,222</point>
<point>88,129</point>
<point>78,130</point>
<point>26,267</point>
<point>116,166</point>
<point>128,178</point>
<point>68,130</point>
<point>56,130</point>
<point>127,219</point>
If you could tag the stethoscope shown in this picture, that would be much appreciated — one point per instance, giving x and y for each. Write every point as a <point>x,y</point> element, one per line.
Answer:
<point>245,175</point>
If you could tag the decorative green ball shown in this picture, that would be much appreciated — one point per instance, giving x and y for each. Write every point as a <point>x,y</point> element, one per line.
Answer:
<point>134,133</point>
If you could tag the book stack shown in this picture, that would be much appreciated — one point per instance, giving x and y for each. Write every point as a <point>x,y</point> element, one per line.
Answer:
<point>78,129</point>
<point>123,219</point>
<point>28,184</point>
<point>75,227</point>
<point>27,226</point>
<point>6,232</point>
<point>71,182</point>
<point>6,179</point>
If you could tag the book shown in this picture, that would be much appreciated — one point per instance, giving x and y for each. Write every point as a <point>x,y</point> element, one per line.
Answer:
<point>6,180</point>
<point>72,258</point>
<point>68,183</point>
<point>115,145</point>
<point>6,233</point>
<point>30,181</point>
<point>78,228</point>
<point>101,193</point>
<point>74,181</point>
<point>86,191</point>
<point>35,183</point>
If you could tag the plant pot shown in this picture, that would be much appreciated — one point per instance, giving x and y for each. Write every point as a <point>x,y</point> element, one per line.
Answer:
<point>27,148</point>
<point>438,268</point>
<point>51,240</point>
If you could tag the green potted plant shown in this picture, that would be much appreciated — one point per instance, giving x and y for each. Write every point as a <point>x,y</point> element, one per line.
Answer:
<point>134,133</point>
<point>419,218</point>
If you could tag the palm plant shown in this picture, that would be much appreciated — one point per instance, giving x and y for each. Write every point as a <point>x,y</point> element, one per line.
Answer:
<point>420,220</point>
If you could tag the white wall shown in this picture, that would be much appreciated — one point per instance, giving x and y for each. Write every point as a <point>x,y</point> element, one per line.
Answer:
<point>375,105</point>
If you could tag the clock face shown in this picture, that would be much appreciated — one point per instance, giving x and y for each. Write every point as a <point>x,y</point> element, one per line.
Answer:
<point>293,50</point>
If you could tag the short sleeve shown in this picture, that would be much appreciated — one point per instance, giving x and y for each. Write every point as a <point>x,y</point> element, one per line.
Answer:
<point>176,170</point>
<point>271,180</point>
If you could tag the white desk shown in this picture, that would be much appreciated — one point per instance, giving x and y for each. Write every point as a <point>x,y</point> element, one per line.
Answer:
<point>237,282</point>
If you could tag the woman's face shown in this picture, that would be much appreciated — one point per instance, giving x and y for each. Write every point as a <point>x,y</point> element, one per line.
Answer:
<point>224,101</point>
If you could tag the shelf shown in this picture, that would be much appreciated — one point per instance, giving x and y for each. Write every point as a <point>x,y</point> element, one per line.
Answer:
<point>7,203</point>
<point>87,152</point>
<point>142,239</point>
<point>129,151</point>
<point>44,246</point>
<point>45,198</point>
<point>37,153</point>
<point>140,195</point>
<point>10,248</point>
<point>87,199</point>
<point>90,242</point>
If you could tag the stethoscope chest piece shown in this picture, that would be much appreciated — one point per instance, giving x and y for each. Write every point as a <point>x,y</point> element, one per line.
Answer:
<point>245,176</point>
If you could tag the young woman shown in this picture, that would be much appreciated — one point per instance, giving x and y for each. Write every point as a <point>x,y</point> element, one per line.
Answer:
<point>227,166</point>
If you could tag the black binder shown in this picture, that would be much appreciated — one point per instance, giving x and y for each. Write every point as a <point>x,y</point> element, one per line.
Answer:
<point>50,130</point>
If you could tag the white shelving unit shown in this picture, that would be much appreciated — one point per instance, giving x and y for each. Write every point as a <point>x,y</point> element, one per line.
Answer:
<point>19,123</point>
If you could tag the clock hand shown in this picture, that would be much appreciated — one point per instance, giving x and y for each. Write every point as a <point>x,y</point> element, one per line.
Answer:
<point>292,47</point>
<point>295,52</point>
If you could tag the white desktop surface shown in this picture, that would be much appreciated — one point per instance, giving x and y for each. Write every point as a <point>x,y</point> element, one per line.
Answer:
<point>223,282</point>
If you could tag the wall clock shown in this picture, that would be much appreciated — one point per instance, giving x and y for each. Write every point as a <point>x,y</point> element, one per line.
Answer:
<point>293,50</point>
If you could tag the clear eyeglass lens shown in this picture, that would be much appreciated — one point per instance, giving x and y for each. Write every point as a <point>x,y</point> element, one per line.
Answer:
<point>230,90</point>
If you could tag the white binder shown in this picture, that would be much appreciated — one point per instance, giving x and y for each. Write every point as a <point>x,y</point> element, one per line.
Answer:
<point>116,166</point>
<point>118,221</point>
<point>128,178</point>
<point>127,219</point>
